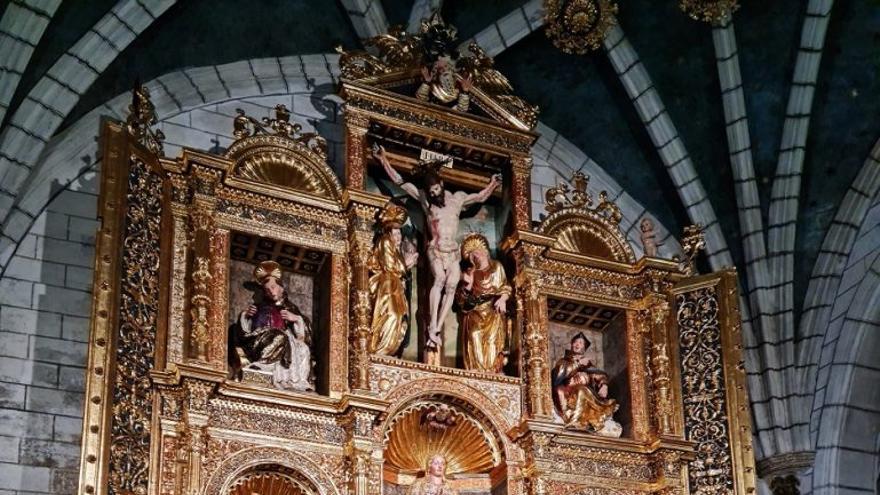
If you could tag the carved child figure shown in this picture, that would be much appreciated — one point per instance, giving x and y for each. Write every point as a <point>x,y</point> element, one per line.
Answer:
<point>649,237</point>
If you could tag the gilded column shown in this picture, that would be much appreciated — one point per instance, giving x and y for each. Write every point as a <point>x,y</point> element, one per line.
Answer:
<point>537,368</point>
<point>355,148</point>
<point>360,243</point>
<point>638,350</point>
<point>338,326</point>
<point>177,300</point>
<point>520,192</point>
<point>194,435</point>
<point>661,373</point>
<point>201,280</point>
<point>364,455</point>
<point>220,275</point>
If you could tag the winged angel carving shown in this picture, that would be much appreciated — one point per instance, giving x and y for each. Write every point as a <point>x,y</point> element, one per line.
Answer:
<point>445,75</point>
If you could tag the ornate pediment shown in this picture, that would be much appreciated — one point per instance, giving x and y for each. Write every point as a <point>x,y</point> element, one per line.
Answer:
<point>274,157</point>
<point>580,228</point>
<point>428,65</point>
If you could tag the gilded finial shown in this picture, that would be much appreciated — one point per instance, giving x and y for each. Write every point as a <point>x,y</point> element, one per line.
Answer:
<point>576,195</point>
<point>244,126</point>
<point>692,242</point>
<point>142,118</point>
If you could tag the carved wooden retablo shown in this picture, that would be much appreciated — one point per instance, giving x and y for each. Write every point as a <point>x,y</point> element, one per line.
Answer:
<point>264,325</point>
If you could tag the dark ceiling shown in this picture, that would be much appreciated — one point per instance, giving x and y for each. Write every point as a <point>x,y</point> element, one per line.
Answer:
<point>580,97</point>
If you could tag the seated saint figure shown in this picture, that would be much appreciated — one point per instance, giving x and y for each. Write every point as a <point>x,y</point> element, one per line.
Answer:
<point>388,266</point>
<point>434,482</point>
<point>482,303</point>
<point>580,392</point>
<point>274,336</point>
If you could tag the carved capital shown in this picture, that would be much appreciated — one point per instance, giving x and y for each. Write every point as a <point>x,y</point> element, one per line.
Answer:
<point>782,465</point>
<point>355,121</point>
<point>198,393</point>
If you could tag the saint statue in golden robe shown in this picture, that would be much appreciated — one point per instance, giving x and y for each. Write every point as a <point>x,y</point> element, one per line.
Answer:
<point>580,392</point>
<point>482,301</point>
<point>434,482</point>
<point>388,265</point>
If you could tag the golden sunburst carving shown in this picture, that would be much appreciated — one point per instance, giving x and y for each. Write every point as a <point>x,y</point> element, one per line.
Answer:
<point>579,227</point>
<point>275,157</point>
<point>266,483</point>
<point>467,447</point>
<point>285,170</point>
<point>583,238</point>
<point>583,231</point>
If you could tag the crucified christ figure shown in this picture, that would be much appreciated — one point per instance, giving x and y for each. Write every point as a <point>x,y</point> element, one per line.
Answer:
<point>442,209</point>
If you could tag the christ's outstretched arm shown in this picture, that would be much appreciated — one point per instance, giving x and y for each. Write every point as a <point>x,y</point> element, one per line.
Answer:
<point>408,187</point>
<point>483,195</point>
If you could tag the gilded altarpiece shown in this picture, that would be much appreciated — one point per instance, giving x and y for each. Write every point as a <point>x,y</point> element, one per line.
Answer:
<point>177,403</point>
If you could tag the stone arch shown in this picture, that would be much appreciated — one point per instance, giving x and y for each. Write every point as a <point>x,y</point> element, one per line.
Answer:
<point>250,459</point>
<point>75,149</point>
<point>850,402</point>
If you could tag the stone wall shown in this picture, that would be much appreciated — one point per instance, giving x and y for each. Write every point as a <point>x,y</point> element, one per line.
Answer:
<point>44,306</point>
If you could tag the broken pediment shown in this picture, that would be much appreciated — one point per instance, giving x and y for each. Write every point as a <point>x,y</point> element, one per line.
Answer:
<point>431,66</point>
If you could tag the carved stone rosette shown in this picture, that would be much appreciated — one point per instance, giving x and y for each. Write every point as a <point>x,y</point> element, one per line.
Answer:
<point>579,26</point>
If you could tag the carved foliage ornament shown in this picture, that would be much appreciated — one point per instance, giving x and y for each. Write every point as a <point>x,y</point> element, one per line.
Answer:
<point>705,405</point>
<point>711,11</point>
<point>692,243</point>
<point>579,26</point>
<point>142,118</point>
<point>132,393</point>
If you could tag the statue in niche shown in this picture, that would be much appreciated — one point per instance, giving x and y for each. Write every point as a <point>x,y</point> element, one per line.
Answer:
<point>580,392</point>
<point>649,237</point>
<point>388,265</point>
<point>482,301</point>
<point>434,482</point>
<point>442,210</point>
<point>273,335</point>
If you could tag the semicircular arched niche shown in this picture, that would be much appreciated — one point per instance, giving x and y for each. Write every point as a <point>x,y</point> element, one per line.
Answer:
<point>415,436</point>
<point>271,480</point>
<point>584,232</point>
<point>284,167</point>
